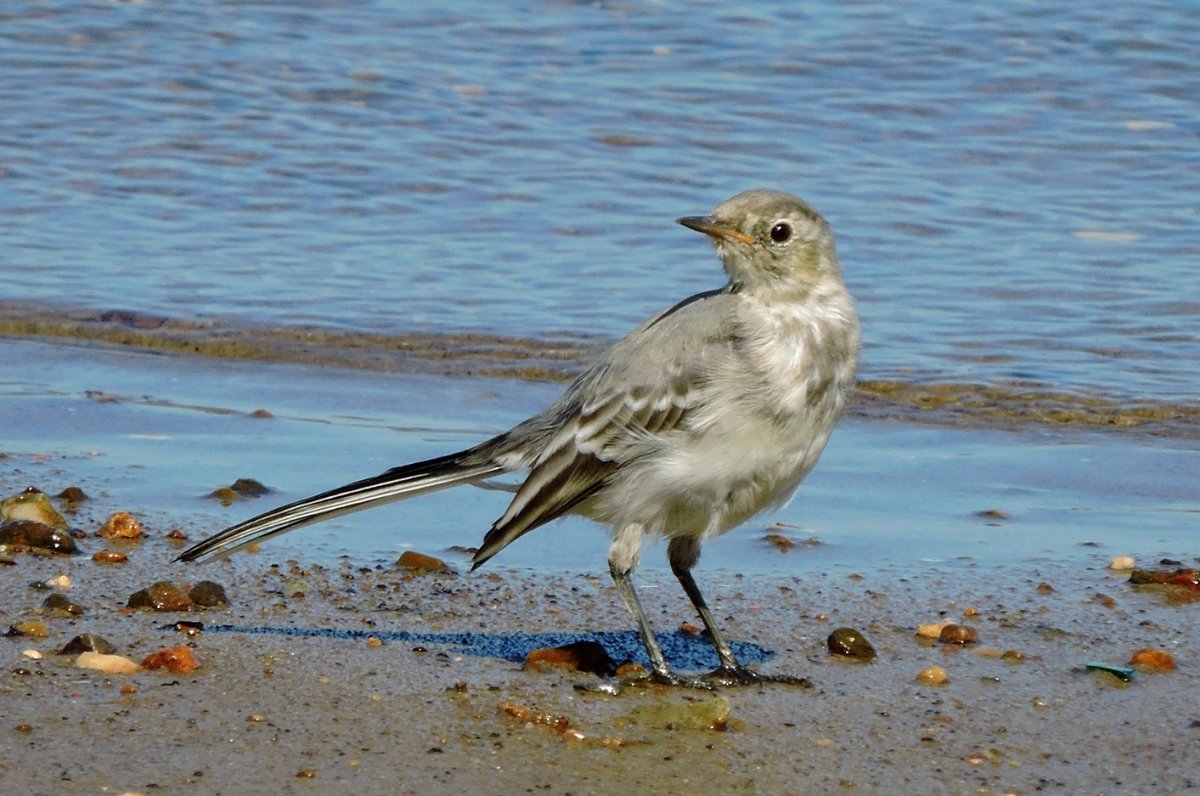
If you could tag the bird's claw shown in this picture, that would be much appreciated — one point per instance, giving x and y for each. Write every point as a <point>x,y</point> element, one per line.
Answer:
<point>731,676</point>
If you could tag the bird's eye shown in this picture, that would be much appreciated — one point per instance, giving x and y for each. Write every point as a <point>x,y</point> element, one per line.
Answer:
<point>781,232</point>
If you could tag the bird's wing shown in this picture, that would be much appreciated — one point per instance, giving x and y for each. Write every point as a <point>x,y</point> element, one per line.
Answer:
<point>642,388</point>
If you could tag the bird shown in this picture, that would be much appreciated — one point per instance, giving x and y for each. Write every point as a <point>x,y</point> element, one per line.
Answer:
<point>707,414</point>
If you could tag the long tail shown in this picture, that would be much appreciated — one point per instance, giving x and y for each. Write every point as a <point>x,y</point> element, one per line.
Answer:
<point>395,484</point>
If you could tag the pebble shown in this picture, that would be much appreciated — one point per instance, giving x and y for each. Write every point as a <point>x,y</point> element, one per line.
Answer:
<point>60,582</point>
<point>35,655</point>
<point>933,675</point>
<point>1121,563</point>
<point>932,630</point>
<point>31,628</point>
<point>419,562</point>
<point>109,557</point>
<point>701,714</point>
<point>27,533</point>
<point>208,594</point>
<point>178,660</point>
<point>87,642</point>
<point>58,605</point>
<point>580,656</point>
<point>110,664</point>
<point>121,525</point>
<point>958,634</point>
<point>850,643</point>
<point>1154,660</point>
<point>34,506</point>
<point>161,596</point>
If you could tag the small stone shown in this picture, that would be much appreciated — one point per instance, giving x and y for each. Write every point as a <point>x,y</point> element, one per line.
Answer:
<point>1121,563</point>
<point>34,655</point>
<point>958,634</point>
<point>30,628</point>
<point>128,688</point>
<point>33,506</point>
<point>248,487</point>
<point>24,728</point>
<point>933,630</point>
<point>109,557</point>
<point>419,562</point>
<point>779,541</point>
<point>850,643</point>
<point>58,605</point>
<point>701,714</point>
<point>87,642</point>
<point>72,494</point>
<point>1012,656</point>
<point>256,718</point>
<point>121,525</point>
<point>933,675</point>
<point>178,660</point>
<point>60,582</point>
<point>161,596</point>
<point>1045,588</point>
<point>109,664</point>
<point>1153,660</point>
<point>208,594</point>
<point>374,642</point>
<point>177,535</point>
<point>27,533</point>
<point>580,656</point>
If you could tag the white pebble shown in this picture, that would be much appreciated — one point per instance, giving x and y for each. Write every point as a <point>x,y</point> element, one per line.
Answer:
<point>1121,563</point>
<point>61,582</point>
<point>110,664</point>
<point>32,654</point>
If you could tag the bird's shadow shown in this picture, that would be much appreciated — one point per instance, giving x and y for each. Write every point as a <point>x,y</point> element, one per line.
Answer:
<point>684,651</point>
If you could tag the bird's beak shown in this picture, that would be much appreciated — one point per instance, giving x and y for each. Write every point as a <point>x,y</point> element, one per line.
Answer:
<point>711,227</point>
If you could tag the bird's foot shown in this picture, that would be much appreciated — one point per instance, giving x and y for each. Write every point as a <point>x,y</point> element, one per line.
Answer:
<point>730,676</point>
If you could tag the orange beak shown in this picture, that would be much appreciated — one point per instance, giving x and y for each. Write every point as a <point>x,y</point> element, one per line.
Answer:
<point>711,227</point>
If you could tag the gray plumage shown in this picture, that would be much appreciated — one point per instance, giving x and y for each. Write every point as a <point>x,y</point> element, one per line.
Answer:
<point>705,415</point>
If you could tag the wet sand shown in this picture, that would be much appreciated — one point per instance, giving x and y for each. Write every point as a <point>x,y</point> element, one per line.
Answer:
<point>273,712</point>
<point>298,697</point>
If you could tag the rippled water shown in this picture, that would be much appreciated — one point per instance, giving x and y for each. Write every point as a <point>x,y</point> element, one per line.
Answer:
<point>1015,187</point>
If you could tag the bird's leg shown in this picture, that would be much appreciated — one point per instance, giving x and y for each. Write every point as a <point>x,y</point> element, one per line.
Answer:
<point>622,558</point>
<point>683,552</point>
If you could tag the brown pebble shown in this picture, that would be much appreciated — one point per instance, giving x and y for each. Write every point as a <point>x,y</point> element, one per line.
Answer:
<point>128,688</point>
<point>121,525</point>
<point>24,728</point>
<point>161,596</point>
<point>256,718</point>
<point>30,628</point>
<point>933,675</point>
<point>178,660</point>
<point>30,533</point>
<point>72,494</point>
<point>1045,588</point>
<point>177,534</point>
<point>373,641</point>
<point>262,414</point>
<point>419,562</point>
<point>208,594</point>
<point>87,642</point>
<point>958,634</point>
<point>580,656</point>
<point>306,773</point>
<point>1153,660</point>
<point>109,557</point>
<point>59,605</point>
<point>779,542</point>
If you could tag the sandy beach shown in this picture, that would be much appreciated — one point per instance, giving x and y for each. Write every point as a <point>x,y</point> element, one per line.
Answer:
<point>333,669</point>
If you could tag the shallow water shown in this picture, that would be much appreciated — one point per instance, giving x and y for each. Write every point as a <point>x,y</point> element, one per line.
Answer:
<point>156,433</point>
<point>1014,187</point>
